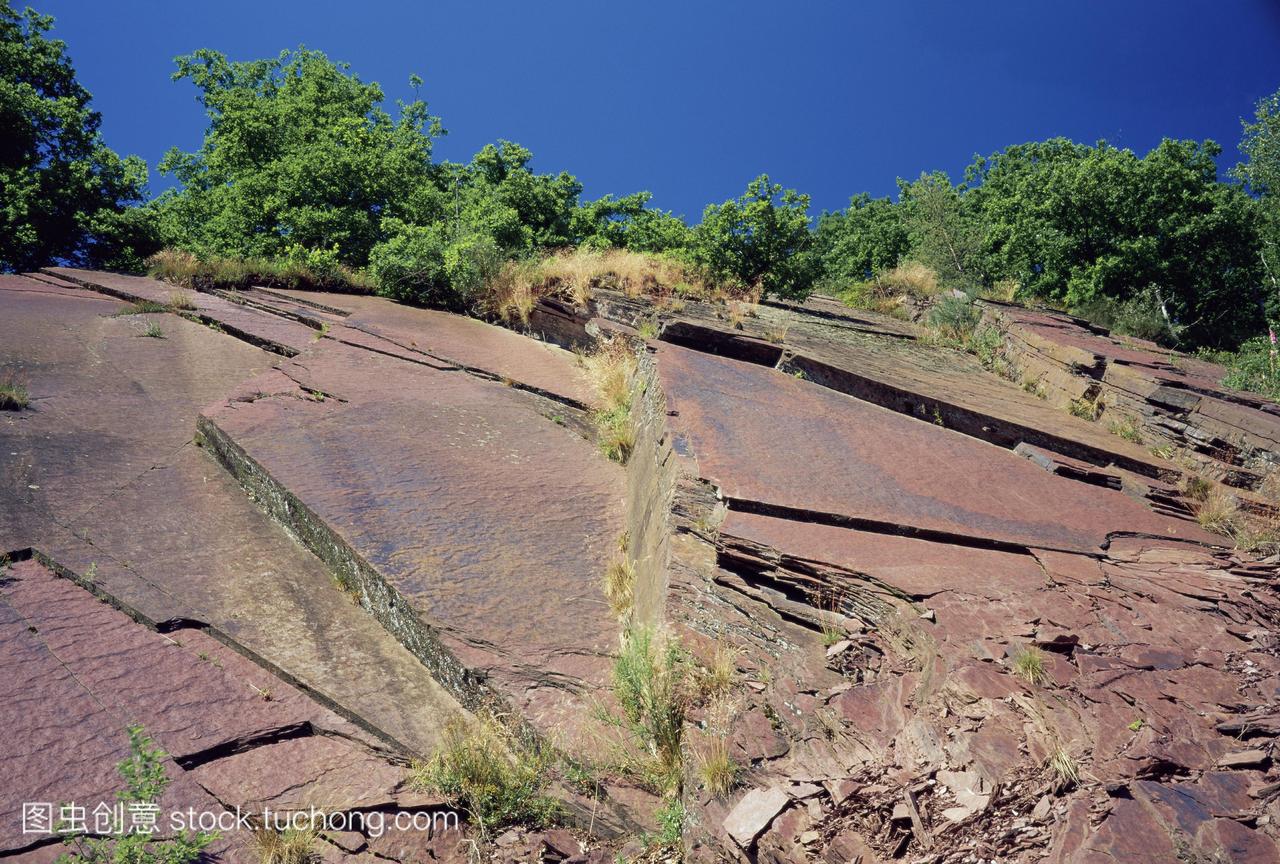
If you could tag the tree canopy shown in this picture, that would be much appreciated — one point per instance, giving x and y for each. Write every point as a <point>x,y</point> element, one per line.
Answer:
<point>303,161</point>
<point>64,195</point>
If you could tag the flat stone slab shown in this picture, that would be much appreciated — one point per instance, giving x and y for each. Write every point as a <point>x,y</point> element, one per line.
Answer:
<point>75,672</point>
<point>461,341</point>
<point>102,475</point>
<point>279,334</point>
<point>462,496</point>
<point>766,437</point>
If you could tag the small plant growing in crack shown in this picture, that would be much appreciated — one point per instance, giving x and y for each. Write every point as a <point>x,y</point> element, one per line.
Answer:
<point>1028,664</point>
<point>13,394</point>
<point>145,780</point>
<point>290,846</point>
<point>609,369</point>
<point>490,771</point>
<point>152,331</point>
<point>1065,768</point>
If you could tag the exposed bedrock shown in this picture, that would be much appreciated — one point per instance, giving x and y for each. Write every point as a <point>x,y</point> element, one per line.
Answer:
<point>964,624</point>
<point>946,653</point>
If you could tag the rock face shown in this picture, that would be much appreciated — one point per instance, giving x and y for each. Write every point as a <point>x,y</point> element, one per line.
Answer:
<point>300,533</point>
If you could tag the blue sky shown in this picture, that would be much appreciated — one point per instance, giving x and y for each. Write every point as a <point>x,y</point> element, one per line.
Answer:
<point>692,99</point>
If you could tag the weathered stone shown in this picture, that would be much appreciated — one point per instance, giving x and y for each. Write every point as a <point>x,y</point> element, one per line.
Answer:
<point>514,506</point>
<point>867,466</point>
<point>753,813</point>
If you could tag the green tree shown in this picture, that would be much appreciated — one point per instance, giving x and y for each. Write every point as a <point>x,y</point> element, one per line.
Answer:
<point>762,239</point>
<point>1260,172</point>
<point>854,245</point>
<point>947,232</point>
<point>298,152</point>
<point>64,195</point>
<point>1078,223</point>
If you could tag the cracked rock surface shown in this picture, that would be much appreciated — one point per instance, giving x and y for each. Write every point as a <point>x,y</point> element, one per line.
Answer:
<point>963,624</point>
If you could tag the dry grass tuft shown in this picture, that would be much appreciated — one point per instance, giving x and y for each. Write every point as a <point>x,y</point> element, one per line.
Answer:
<point>1065,768</point>
<point>180,267</point>
<point>576,274</point>
<point>1028,664</point>
<point>620,585</point>
<point>1217,512</point>
<point>291,846</point>
<point>719,675</point>
<point>609,369</point>
<point>717,771</point>
<point>182,301</point>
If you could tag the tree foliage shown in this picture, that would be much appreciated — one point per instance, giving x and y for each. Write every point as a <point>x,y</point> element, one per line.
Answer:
<point>1074,223</point>
<point>761,239</point>
<point>1260,172</point>
<point>298,152</point>
<point>64,195</point>
<point>859,243</point>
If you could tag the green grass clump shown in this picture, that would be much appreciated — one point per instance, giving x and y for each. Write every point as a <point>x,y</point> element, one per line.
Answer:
<point>954,320</point>
<point>153,331</point>
<point>492,774</point>
<point>649,681</point>
<point>13,394</point>
<point>1028,664</point>
<point>1127,429</point>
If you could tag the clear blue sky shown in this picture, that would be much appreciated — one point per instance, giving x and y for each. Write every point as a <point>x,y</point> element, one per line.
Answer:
<point>692,99</point>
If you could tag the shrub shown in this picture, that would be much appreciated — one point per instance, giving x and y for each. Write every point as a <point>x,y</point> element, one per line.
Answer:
<point>954,319</point>
<point>488,771</point>
<point>1255,367</point>
<point>1140,316</point>
<point>409,265</point>
<point>649,682</point>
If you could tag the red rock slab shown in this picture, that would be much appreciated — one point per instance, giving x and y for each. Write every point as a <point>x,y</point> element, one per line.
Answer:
<point>296,774</point>
<point>185,698</point>
<point>281,335</point>
<point>62,742</point>
<point>764,436</point>
<point>919,568</point>
<point>463,341</point>
<point>917,379</point>
<point>1072,334</point>
<point>464,499</point>
<point>101,475</point>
